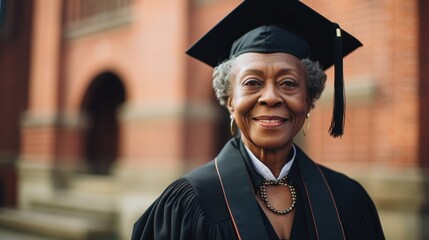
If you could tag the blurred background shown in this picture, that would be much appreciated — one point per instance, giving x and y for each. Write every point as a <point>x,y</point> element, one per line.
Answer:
<point>100,109</point>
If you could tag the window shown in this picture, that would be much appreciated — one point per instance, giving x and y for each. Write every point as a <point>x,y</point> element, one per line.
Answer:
<point>88,16</point>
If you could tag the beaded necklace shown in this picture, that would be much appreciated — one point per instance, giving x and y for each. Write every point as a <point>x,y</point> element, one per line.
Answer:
<point>283,182</point>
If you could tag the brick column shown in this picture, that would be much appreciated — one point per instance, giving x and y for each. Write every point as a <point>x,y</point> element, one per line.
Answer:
<point>39,122</point>
<point>424,83</point>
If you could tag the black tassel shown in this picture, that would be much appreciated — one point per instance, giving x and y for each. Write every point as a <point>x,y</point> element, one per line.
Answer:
<point>337,123</point>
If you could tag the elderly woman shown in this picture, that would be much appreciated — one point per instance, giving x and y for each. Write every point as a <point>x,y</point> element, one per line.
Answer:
<point>261,185</point>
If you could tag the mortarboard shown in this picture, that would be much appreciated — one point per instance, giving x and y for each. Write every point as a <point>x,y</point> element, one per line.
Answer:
<point>267,26</point>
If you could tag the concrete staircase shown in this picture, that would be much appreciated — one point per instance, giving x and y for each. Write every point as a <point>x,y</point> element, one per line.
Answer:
<point>65,215</point>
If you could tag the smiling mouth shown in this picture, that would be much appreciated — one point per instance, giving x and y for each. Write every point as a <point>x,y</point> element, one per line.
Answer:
<point>268,121</point>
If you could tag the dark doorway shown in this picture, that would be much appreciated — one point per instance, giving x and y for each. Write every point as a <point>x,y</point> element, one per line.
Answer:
<point>102,100</point>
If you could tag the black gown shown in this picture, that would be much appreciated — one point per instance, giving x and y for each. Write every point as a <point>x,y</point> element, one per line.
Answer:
<point>193,207</point>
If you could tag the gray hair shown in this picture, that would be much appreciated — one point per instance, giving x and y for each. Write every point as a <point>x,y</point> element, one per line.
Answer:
<point>315,77</point>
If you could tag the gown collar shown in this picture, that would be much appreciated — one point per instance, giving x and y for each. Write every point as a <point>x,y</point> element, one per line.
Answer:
<point>255,177</point>
<point>265,171</point>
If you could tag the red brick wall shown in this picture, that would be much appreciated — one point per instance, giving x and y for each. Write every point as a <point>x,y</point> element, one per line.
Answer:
<point>424,83</point>
<point>206,134</point>
<point>384,130</point>
<point>382,127</point>
<point>147,54</point>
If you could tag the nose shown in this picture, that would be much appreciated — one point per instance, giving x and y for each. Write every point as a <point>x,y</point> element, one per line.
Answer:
<point>270,96</point>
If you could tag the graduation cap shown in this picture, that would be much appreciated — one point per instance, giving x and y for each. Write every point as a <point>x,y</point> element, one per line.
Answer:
<point>268,26</point>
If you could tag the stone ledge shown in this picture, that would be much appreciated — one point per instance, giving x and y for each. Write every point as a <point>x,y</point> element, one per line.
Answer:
<point>100,208</point>
<point>54,226</point>
<point>6,234</point>
<point>401,197</point>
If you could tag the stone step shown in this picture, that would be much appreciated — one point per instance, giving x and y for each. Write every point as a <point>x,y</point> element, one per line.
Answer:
<point>6,234</point>
<point>101,208</point>
<point>50,225</point>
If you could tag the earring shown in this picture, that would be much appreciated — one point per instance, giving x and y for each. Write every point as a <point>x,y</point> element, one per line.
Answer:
<point>232,126</point>
<point>307,128</point>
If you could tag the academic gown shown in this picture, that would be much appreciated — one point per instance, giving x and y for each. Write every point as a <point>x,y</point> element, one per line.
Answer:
<point>193,207</point>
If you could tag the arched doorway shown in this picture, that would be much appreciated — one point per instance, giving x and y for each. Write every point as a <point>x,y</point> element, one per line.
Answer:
<point>104,96</point>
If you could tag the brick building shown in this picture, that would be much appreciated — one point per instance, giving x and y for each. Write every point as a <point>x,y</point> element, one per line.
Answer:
<point>100,109</point>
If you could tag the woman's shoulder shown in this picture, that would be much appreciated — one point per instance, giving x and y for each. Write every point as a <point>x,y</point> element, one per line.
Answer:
<point>344,188</point>
<point>166,216</point>
<point>341,183</point>
<point>199,192</point>
<point>338,179</point>
<point>355,207</point>
<point>187,209</point>
<point>206,185</point>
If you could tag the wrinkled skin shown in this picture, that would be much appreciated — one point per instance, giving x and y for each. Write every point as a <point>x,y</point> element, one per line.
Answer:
<point>269,103</point>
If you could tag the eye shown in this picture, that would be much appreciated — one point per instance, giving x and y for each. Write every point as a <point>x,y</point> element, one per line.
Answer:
<point>252,82</point>
<point>289,83</point>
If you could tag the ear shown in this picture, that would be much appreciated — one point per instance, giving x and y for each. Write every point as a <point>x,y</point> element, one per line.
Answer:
<point>229,105</point>
<point>309,105</point>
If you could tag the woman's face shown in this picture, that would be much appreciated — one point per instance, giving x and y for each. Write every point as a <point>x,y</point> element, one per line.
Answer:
<point>268,99</point>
